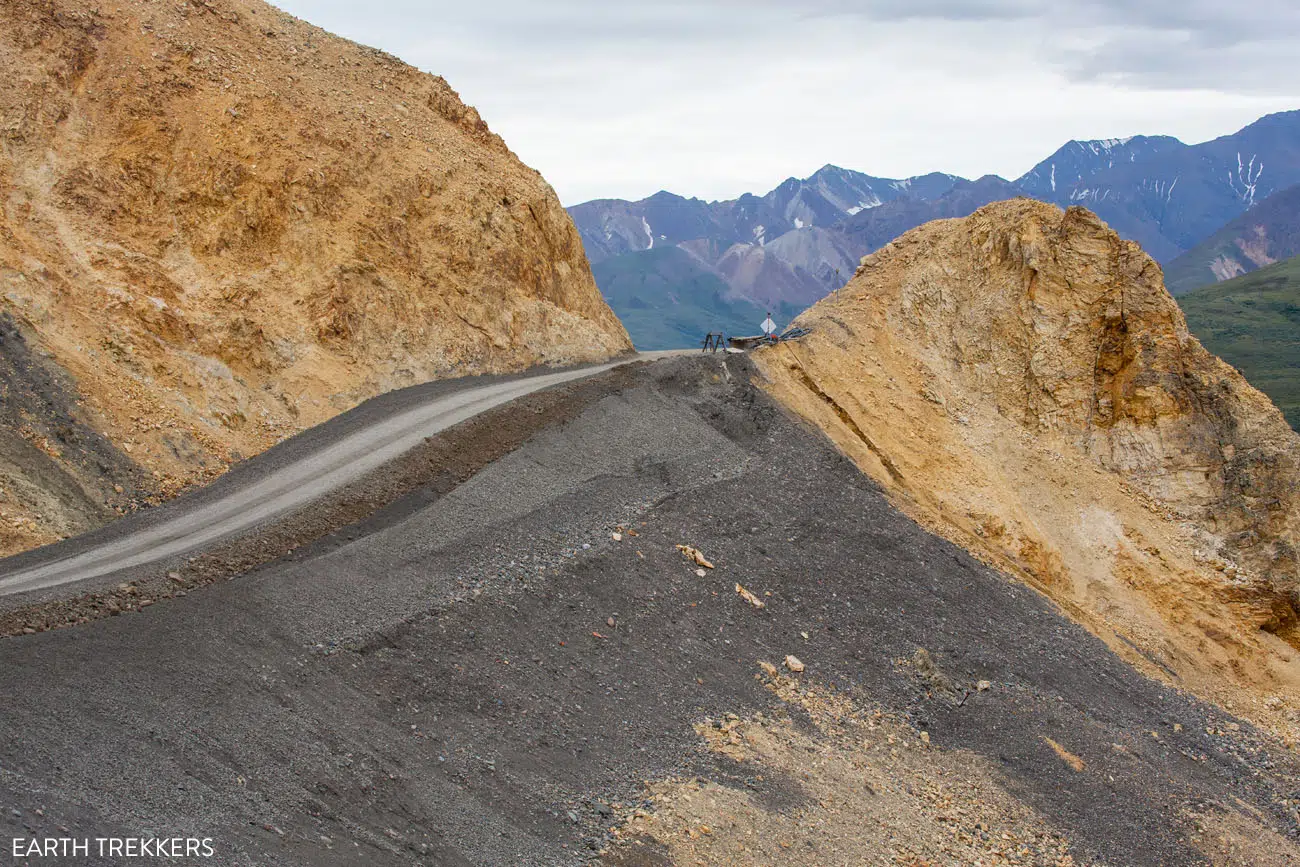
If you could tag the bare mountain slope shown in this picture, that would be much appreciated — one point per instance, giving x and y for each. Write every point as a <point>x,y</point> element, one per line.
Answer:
<point>1267,233</point>
<point>1020,381</point>
<point>1169,196</point>
<point>222,225</point>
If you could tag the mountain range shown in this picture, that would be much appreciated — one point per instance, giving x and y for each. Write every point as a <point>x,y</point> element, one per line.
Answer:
<point>786,249</point>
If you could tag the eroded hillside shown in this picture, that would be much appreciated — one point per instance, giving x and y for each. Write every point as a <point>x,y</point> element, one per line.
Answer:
<point>221,225</point>
<point>1021,382</point>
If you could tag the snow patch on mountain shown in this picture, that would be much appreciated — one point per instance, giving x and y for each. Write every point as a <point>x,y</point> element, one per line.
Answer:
<point>1246,180</point>
<point>650,237</point>
<point>1103,145</point>
<point>873,202</point>
<point>1163,189</point>
<point>1089,195</point>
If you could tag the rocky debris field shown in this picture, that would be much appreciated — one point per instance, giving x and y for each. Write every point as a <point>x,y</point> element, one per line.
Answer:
<point>522,667</point>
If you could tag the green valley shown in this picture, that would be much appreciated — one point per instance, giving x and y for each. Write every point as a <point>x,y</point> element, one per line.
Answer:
<point>1253,323</point>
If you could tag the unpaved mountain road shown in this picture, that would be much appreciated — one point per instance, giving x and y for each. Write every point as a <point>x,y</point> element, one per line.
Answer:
<point>190,524</point>
<point>475,671</point>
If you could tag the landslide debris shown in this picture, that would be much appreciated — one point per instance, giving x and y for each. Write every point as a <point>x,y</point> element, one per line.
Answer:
<point>874,792</point>
<point>1020,382</point>
<point>221,225</point>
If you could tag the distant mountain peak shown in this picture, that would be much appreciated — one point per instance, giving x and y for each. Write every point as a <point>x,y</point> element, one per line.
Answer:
<point>1100,145</point>
<point>1286,119</point>
<point>831,168</point>
<point>665,195</point>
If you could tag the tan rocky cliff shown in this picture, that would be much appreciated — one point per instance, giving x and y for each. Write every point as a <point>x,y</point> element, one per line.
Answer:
<point>1021,382</point>
<point>220,225</point>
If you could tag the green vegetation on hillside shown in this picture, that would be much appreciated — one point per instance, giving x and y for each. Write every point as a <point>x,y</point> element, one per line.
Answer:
<point>1253,323</point>
<point>668,300</point>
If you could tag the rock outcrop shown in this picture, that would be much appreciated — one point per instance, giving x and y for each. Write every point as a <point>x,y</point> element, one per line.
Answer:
<point>1021,382</point>
<point>220,225</point>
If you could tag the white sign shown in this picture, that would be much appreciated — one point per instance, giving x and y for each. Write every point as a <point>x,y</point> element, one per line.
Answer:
<point>768,325</point>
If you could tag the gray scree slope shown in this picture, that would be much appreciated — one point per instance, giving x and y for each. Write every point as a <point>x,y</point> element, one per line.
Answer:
<point>429,690</point>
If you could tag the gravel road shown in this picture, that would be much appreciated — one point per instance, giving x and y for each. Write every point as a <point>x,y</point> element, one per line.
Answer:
<point>189,525</point>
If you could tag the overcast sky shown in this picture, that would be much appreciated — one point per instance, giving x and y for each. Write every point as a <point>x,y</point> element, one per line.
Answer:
<point>713,98</point>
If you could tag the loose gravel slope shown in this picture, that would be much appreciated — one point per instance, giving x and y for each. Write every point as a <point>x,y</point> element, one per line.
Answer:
<point>479,672</point>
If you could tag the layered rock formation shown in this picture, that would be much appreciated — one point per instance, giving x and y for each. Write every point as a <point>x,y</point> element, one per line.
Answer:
<point>220,225</point>
<point>1021,382</point>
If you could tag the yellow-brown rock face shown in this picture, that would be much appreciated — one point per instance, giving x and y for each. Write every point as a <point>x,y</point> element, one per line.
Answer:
<point>220,225</point>
<point>1021,382</point>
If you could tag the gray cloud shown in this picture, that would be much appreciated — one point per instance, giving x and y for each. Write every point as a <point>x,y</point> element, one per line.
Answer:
<point>1133,38</point>
<point>1263,18</point>
<point>924,10</point>
<point>1166,44</point>
<point>1175,61</point>
<point>714,97</point>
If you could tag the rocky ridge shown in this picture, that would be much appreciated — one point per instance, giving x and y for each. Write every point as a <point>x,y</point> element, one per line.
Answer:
<point>222,225</point>
<point>1021,382</point>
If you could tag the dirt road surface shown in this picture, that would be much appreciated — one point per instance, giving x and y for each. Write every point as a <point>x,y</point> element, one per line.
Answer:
<point>190,524</point>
